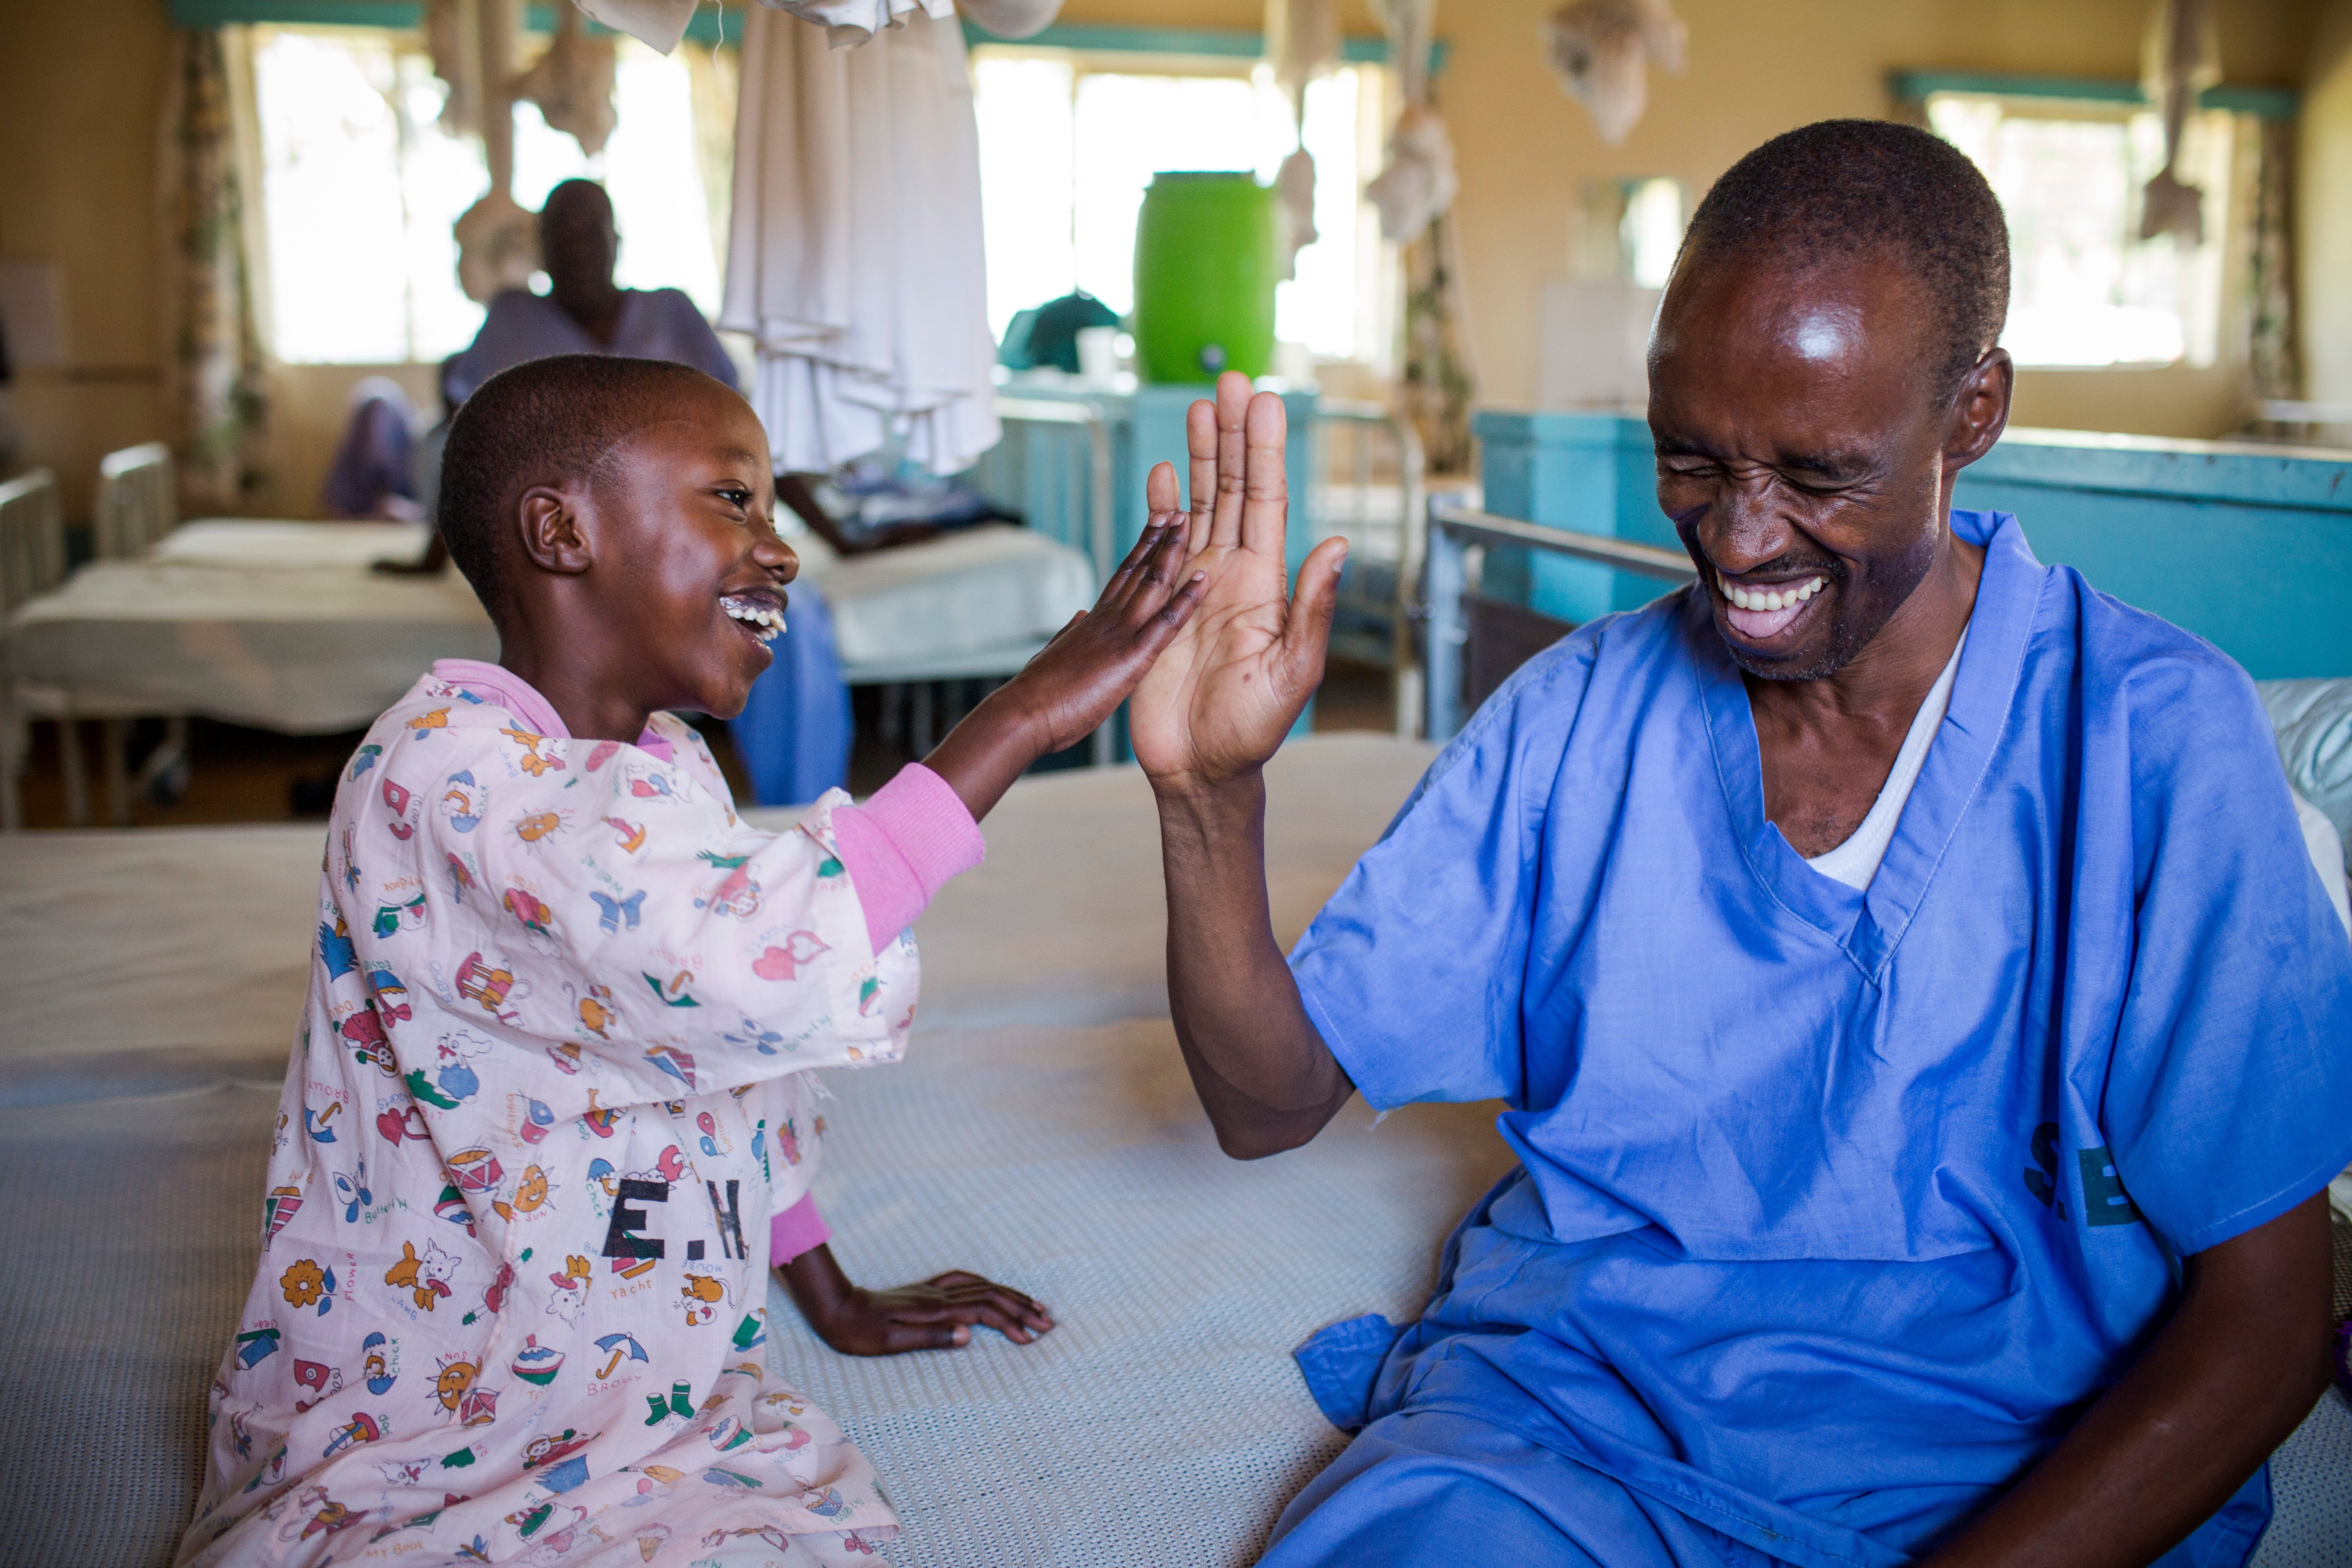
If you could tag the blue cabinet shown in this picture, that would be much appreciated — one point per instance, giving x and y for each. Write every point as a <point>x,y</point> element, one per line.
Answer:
<point>2248,546</point>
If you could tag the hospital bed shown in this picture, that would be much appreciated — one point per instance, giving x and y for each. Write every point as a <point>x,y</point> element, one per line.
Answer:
<point>1040,1129</point>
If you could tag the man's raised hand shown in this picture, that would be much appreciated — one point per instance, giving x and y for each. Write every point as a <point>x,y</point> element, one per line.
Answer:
<point>1228,686</point>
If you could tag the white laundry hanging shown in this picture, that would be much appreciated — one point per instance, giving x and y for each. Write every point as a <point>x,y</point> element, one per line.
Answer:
<point>854,256</point>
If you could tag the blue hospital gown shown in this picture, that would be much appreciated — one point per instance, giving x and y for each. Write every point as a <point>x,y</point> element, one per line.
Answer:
<point>1834,1205</point>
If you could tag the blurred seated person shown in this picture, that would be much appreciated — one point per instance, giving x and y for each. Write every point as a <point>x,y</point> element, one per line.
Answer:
<point>793,735</point>
<point>373,479</point>
<point>583,311</point>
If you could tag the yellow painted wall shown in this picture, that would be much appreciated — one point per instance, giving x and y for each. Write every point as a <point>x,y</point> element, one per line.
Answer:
<point>1759,69</point>
<point>79,86</point>
<point>2324,190</point>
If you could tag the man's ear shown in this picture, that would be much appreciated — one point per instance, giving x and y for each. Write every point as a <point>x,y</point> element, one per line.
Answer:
<point>1980,412</point>
<point>553,536</point>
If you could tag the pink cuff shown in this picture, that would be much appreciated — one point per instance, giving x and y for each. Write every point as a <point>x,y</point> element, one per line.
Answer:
<point>798,1229</point>
<point>902,845</point>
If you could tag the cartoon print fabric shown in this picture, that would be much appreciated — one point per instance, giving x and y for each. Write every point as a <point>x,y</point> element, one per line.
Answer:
<point>551,1083</point>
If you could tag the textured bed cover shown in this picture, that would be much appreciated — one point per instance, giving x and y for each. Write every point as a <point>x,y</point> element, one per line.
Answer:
<point>1040,1129</point>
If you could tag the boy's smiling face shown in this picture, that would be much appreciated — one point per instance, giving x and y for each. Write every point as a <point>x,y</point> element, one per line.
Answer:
<point>678,575</point>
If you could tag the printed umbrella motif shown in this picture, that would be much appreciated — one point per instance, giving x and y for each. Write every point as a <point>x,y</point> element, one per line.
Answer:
<point>623,1347</point>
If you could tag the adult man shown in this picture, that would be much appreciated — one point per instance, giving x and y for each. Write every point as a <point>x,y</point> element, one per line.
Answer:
<point>1922,1028</point>
<point>584,311</point>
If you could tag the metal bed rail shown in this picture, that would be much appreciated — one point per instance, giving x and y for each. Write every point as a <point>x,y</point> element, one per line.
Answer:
<point>1404,668</point>
<point>1453,533</point>
<point>1054,466</point>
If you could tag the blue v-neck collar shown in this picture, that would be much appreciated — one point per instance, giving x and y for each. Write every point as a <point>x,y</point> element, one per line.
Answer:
<point>1867,924</point>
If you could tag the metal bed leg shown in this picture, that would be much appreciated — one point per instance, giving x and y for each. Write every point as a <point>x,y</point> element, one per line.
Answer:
<point>14,746</point>
<point>113,750</point>
<point>1446,634</point>
<point>76,782</point>
<point>920,740</point>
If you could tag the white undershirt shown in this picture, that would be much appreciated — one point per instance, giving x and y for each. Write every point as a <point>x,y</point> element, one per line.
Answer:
<point>1855,861</point>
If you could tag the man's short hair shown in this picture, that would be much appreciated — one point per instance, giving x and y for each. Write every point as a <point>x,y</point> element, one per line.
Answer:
<point>545,422</point>
<point>1840,187</point>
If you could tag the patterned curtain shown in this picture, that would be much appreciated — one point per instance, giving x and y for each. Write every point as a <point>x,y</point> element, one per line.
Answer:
<point>1439,385</point>
<point>213,345</point>
<point>2270,280</point>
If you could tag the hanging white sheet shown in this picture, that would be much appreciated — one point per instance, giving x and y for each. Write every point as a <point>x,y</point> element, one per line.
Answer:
<point>854,258</point>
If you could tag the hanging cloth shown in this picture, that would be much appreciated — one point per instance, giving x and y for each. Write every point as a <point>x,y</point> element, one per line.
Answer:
<point>854,258</point>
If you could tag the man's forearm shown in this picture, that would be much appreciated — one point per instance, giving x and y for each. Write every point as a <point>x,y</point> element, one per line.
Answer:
<point>1263,1075</point>
<point>2228,1377</point>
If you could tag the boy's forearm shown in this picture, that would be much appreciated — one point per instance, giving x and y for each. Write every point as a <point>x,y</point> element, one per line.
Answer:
<point>982,756</point>
<point>1264,1074</point>
<point>2225,1381</point>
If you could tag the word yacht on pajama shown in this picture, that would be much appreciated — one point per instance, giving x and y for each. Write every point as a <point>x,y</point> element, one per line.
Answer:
<point>551,1083</point>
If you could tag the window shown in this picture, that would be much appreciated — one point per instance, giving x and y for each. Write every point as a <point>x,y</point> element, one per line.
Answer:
<point>360,185</point>
<point>1067,147</point>
<point>2085,290</point>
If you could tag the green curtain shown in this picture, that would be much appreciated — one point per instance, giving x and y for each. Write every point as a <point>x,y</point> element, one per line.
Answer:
<point>2269,279</point>
<point>218,388</point>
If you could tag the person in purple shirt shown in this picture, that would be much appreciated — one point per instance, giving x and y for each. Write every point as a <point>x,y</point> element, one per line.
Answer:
<point>583,311</point>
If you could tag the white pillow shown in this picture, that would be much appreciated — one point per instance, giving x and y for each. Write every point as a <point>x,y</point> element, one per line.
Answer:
<point>2326,846</point>
<point>2313,720</point>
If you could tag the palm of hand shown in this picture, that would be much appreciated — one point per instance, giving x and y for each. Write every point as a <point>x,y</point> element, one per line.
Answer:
<point>1215,703</point>
<point>1228,686</point>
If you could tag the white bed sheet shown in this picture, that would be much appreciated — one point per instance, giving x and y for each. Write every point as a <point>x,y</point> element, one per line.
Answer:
<point>300,649</point>
<point>1040,1130</point>
<point>968,590</point>
<point>267,543</point>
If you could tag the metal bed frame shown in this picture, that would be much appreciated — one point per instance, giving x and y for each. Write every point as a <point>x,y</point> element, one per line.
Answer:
<point>1453,533</point>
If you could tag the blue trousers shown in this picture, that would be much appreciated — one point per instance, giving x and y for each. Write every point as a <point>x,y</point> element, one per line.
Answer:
<point>1433,1487</point>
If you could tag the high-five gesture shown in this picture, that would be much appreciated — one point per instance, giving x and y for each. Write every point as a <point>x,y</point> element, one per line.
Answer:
<point>1227,690</point>
<point>1232,682</point>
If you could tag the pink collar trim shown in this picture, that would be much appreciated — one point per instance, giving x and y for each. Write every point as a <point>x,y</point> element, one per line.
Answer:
<point>496,683</point>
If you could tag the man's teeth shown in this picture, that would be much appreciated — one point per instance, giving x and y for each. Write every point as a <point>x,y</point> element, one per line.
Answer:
<point>770,623</point>
<point>1757,599</point>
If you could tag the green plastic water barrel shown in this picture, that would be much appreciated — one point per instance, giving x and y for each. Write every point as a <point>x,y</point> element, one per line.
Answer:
<point>1204,277</point>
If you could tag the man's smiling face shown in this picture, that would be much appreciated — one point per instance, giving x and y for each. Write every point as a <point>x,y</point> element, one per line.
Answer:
<point>1800,427</point>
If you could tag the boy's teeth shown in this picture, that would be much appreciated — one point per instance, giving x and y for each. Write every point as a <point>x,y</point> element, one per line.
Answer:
<point>769,623</point>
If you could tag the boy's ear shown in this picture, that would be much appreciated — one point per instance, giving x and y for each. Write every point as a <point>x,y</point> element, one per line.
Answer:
<point>553,539</point>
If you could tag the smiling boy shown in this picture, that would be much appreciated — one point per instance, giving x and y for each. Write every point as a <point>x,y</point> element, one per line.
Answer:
<point>551,1080</point>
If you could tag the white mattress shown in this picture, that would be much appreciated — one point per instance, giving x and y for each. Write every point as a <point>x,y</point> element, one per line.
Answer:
<point>1040,1129</point>
<point>972,589</point>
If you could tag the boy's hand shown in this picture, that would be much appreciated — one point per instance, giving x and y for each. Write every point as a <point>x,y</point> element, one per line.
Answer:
<point>1235,677</point>
<point>936,1314</point>
<point>1077,681</point>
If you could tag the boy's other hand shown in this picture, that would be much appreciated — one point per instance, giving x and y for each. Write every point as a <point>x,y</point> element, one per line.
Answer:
<point>936,1314</point>
<point>1077,681</point>
<point>1234,678</point>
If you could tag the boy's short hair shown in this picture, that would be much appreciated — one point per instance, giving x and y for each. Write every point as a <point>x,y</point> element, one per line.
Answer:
<point>545,422</point>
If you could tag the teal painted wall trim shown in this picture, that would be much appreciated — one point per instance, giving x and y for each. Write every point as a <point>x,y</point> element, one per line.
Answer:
<point>2248,546</point>
<point>404,15</point>
<point>2269,102</point>
<point>725,26</point>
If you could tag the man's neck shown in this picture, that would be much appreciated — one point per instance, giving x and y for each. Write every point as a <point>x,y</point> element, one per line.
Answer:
<point>597,313</point>
<point>1882,687</point>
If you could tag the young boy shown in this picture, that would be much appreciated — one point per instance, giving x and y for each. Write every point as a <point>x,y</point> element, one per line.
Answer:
<point>551,1081</point>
